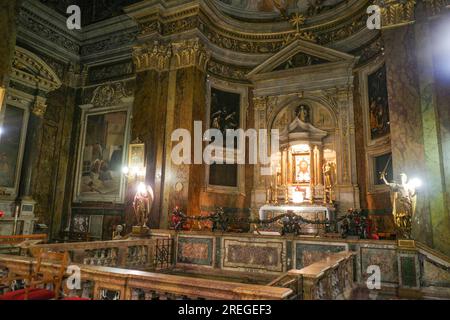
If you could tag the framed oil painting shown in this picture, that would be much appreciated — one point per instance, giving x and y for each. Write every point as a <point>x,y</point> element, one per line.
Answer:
<point>302,166</point>
<point>12,140</point>
<point>136,156</point>
<point>103,151</point>
<point>378,104</point>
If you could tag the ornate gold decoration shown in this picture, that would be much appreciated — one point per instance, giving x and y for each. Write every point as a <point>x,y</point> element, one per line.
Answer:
<point>175,55</point>
<point>404,198</point>
<point>109,94</point>
<point>396,13</point>
<point>297,21</point>
<point>260,103</point>
<point>39,107</point>
<point>435,7</point>
<point>156,56</point>
<point>190,53</point>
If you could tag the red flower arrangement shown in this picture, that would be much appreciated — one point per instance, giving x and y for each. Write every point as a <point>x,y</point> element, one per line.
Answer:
<point>1,214</point>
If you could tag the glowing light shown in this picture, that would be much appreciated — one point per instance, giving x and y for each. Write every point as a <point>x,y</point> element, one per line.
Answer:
<point>297,196</point>
<point>142,188</point>
<point>415,183</point>
<point>125,170</point>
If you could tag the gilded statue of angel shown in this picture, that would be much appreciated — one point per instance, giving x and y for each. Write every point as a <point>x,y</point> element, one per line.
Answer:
<point>403,197</point>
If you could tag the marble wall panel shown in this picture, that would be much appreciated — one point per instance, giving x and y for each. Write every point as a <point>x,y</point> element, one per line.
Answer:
<point>196,251</point>
<point>309,253</point>
<point>253,255</point>
<point>385,258</point>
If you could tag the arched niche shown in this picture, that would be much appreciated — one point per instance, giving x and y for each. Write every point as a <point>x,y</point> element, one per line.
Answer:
<point>30,81</point>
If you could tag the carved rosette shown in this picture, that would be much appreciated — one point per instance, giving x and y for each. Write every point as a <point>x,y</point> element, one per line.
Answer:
<point>396,13</point>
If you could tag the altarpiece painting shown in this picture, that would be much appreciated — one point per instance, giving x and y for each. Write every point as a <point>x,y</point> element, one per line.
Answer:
<point>10,143</point>
<point>378,104</point>
<point>103,151</point>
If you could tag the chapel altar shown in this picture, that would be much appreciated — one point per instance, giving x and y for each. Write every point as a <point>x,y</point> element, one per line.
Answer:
<point>311,104</point>
<point>304,174</point>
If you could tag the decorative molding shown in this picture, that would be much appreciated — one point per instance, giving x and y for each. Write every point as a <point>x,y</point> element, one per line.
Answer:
<point>110,94</point>
<point>113,41</point>
<point>29,68</point>
<point>228,71</point>
<point>31,22</point>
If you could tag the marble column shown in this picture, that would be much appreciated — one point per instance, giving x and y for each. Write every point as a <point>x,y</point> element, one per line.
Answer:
<point>8,13</point>
<point>148,125</point>
<point>170,95</point>
<point>415,130</point>
<point>434,160</point>
<point>31,150</point>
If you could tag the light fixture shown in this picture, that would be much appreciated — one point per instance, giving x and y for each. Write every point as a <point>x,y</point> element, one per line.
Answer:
<point>141,188</point>
<point>415,183</point>
<point>297,196</point>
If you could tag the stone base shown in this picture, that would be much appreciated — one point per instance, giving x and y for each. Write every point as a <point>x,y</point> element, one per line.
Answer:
<point>406,244</point>
<point>140,231</point>
<point>407,293</point>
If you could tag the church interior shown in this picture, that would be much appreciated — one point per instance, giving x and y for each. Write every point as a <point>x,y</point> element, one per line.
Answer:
<point>336,185</point>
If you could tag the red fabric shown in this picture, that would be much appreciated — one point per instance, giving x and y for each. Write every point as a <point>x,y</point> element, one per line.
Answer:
<point>33,294</point>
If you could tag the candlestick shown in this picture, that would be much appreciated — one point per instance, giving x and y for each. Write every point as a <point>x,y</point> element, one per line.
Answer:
<point>16,217</point>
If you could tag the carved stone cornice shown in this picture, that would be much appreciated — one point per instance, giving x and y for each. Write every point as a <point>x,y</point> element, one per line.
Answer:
<point>236,36</point>
<point>227,71</point>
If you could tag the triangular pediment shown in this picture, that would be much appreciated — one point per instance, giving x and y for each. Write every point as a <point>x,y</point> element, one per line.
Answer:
<point>299,131</point>
<point>299,54</point>
<point>29,68</point>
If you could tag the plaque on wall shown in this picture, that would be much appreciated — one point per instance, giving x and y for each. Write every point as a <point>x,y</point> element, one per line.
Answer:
<point>96,226</point>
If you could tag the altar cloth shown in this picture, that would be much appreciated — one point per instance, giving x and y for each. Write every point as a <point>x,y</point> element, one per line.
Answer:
<point>296,208</point>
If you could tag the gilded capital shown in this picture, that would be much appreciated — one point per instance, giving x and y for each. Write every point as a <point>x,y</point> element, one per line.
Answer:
<point>260,103</point>
<point>395,13</point>
<point>188,53</point>
<point>39,107</point>
<point>152,56</point>
<point>435,7</point>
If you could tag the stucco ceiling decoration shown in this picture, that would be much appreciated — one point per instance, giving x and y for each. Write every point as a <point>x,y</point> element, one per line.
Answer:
<point>275,9</point>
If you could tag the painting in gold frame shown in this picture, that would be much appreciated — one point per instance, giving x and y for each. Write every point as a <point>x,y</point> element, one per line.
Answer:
<point>136,156</point>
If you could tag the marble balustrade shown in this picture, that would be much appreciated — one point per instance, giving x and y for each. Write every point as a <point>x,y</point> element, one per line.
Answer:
<point>131,254</point>
<point>107,283</point>
<point>328,279</point>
